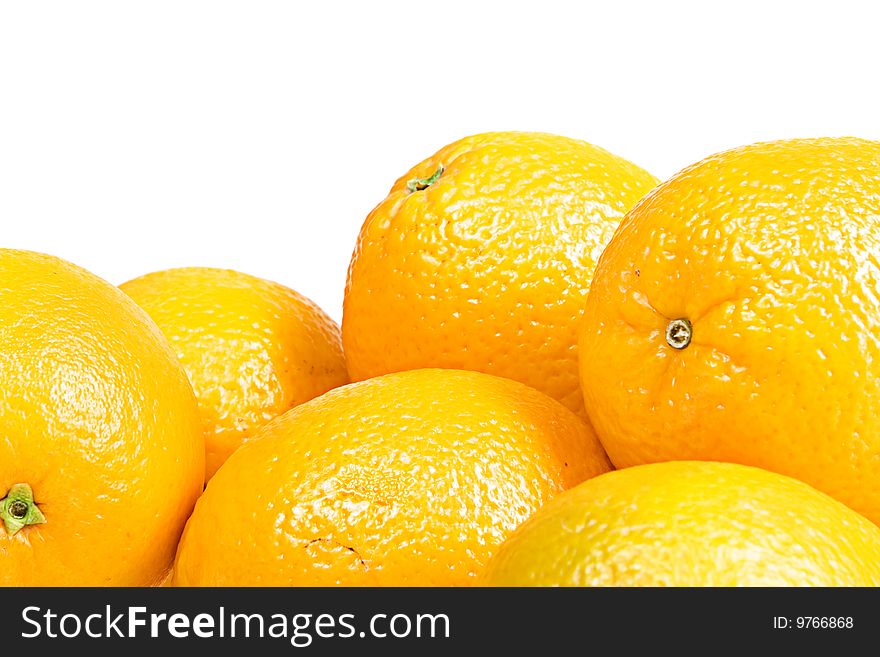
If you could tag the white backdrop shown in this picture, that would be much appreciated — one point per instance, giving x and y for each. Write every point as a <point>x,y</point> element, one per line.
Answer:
<point>136,136</point>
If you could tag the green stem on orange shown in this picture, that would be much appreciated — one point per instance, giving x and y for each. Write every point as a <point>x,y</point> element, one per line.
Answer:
<point>679,333</point>
<point>418,184</point>
<point>18,509</point>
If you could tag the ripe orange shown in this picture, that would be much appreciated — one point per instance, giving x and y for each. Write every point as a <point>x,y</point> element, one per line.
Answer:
<point>691,523</point>
<point>481,256</point>
<point>102,456</point>
<point>405,479</point>
<point>735,317</point>
<point>252,348</point>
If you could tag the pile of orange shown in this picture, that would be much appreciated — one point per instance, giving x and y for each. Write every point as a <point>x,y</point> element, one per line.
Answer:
<point>552,370</point>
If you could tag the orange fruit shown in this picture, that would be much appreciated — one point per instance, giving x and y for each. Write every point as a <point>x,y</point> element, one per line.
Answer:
<point>481,256</point>
<point>690,523</point>
<point>252,348</point>
<point>735,316</point>
<point>405,479</point>
<point>102,455</point>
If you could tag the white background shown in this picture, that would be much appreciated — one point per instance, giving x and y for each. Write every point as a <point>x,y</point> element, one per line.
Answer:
<point>136,136</point>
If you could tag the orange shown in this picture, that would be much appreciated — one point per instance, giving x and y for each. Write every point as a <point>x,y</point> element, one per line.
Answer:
<point>690,523</point>
<point>252,348</point>
<point>481,256</point>
<point>406,479</point>
<point>102,455</point>
<point>735,316</point>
